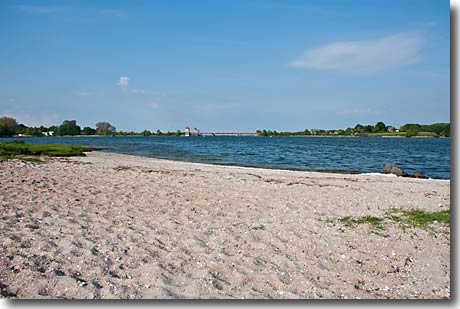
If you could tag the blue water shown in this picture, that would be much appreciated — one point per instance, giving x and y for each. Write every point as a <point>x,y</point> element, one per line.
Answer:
<point>430,156</point>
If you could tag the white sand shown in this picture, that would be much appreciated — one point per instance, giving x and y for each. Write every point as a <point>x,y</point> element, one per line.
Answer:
<point>118,226</point>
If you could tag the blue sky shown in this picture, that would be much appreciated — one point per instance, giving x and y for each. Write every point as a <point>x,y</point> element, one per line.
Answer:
<point>225,64</point>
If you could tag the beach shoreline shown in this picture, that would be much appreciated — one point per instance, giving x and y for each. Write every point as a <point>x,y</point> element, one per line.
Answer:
<point>121,226</point>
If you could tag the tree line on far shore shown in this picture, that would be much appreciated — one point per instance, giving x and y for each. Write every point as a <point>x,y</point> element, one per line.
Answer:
<point>9,127</point>
<point>379,129</point>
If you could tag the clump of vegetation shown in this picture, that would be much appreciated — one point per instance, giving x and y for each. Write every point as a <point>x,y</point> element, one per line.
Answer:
<point>379,129</point>
<point>419,218</point>
<point>258,227</point>
<point>17,148</point>
<point>375,222</point>
<point>406,218</point>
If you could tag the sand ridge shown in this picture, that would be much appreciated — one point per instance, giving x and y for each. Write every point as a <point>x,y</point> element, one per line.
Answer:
<point>118,226</point>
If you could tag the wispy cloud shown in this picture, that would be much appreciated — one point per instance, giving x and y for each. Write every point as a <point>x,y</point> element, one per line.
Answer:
<point>37,10</point>
<point>85,93</point>
<point>123,83</point>
<point>364,57</point>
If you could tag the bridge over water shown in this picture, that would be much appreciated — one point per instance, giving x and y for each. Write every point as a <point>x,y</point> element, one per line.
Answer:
<point>229,133</point>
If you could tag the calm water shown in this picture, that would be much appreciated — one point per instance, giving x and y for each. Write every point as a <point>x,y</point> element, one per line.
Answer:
<point>431,156</point>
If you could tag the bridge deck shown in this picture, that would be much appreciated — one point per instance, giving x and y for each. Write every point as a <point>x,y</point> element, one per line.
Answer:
<point>228,133</point>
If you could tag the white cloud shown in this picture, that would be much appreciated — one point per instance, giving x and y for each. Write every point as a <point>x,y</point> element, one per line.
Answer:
<point>38,10</point>
<point>123,83</point>
<point>365,57</point>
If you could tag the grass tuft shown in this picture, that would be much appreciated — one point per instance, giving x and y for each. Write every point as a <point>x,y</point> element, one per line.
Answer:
<point>16,148</point>
<point>258,227</point>
<point>375,222</point>
<point>405,218</point>
<point>420,218</point>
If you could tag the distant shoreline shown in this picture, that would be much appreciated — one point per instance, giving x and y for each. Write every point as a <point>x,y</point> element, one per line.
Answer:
<point>313,136</point>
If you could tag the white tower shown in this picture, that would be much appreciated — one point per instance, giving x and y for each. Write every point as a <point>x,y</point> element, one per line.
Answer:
<point>187,131</point>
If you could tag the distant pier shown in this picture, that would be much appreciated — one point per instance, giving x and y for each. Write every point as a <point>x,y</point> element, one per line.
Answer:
<point>197,132</point>
<point>228,133</point>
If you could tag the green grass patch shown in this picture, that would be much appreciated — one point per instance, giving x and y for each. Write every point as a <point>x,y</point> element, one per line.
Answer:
<point>405,218</point>
<point>374,222</point>
<point>420,218</point>
<point>388,134</point>
<point>17,148</point>
<point>428,134</point>
<point>420,134</point>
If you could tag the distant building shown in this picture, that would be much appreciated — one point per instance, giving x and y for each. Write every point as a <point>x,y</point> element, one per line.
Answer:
<point>391,129</point>
<point>50,133</point>
<point>187,131</point>
<point>196,132</point>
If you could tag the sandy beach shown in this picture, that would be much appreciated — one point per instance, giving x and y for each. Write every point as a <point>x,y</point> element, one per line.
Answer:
<point>118,226</point>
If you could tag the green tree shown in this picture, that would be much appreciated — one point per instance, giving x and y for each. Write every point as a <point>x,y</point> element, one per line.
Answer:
<point>146,133</point>
<point>367,129</point>
<point>69,127</point>
<point>379,127</point>
<point>53,129</point>
<point>410,126</point>
<point>358,128</point>
<point>34,131</point>
<point>20,129</point>
<point>446,131</point>
<point>88,131</point>
<point>411,132</point>
<point>105,128</point>
<point>7,126</point>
